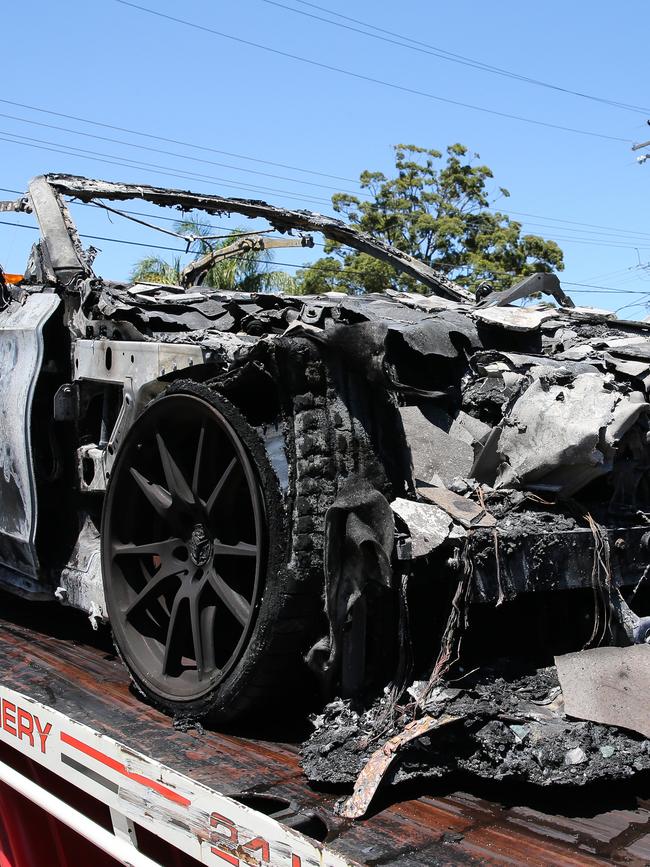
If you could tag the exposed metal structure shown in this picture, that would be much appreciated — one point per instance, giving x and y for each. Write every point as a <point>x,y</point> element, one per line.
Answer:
<point>274,498</point>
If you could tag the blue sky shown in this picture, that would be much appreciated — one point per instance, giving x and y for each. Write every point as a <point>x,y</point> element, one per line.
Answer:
<point>110,63</point>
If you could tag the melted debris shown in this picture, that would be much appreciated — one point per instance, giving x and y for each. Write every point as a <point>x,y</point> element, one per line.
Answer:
<point>509,728</point>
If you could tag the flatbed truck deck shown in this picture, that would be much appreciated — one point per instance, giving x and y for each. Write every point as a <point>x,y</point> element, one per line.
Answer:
<point>186,788</point>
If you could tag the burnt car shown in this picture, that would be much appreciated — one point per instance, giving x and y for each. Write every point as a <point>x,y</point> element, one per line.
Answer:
<point>271,497</point>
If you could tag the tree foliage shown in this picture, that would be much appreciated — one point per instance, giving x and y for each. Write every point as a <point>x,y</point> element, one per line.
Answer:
<point>438,210</point>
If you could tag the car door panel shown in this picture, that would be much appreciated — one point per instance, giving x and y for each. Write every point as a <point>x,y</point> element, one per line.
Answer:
<point>21,355</point>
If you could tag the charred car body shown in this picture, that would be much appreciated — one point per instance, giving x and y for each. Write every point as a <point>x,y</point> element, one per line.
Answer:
<point>268,495</point>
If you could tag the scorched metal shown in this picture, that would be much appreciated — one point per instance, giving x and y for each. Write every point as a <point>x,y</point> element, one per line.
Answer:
<point>413,502</point>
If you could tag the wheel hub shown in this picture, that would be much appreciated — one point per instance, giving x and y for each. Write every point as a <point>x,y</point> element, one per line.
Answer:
<point>200,545</point>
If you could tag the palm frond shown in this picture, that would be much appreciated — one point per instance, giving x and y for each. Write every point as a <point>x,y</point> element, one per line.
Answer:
<point>153,269</point>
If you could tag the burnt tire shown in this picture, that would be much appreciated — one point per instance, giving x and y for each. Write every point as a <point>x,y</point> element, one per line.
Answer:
<point>212,576</point>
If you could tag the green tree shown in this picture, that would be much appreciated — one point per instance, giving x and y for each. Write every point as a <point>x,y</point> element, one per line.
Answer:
<point>248,272</point>
<point>438,211</point>
<point>154,269</point>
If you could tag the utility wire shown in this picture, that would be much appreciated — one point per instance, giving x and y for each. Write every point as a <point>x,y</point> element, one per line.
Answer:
<point>266,174</point>
<point>574,223</point>
<point>594,288</point>
<point>170,153</point>
<point>362,77</point>
<point>172,140</point>
<point>185,156</point>
<point>615,244</point>
<point>441,53</point>
<point>100,238</point>
<point>157,217</point>
<point>112,159</point>
<point>594,241</point>
<point>599,233</point>
<point>624,232</point>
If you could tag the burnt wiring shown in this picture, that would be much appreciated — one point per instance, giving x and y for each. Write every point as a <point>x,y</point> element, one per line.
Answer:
<point>601,580</point>
<point>456,624</point>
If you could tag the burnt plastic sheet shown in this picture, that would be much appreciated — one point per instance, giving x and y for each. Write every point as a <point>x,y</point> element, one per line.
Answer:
<point>359,533</point>
<point>608,685</point>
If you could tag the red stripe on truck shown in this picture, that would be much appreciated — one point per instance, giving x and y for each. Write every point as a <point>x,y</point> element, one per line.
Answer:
<point>170,794</point>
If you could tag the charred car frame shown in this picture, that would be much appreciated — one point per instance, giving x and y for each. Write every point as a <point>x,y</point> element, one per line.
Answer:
<point>274,496</point>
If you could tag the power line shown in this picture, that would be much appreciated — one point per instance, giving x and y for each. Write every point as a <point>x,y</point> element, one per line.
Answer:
<point>186,156</point>
<point>605,288</point>
<point>644,236</point>
<point>595,242</point>
<point>211,162</point>
<point>572,222</point>
<point>362,77</point>
<point>592,241</point>
<point>169,153</point>
<point>435,51</point>
<point>557,238</point>
<point>624,234</point>
<point>633,238</point>
<point>111,159</point>
<point>172,140</point>
<point>101,238</point>
<point>158,217</point>
<point>594,289</point>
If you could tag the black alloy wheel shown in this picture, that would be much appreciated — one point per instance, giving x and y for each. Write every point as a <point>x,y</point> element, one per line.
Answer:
<point>184,547</point>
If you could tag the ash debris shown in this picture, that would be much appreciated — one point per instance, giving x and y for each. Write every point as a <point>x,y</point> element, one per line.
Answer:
<point>509,728</point>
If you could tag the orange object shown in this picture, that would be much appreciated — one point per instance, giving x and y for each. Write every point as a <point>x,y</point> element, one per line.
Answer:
<point>13,278</point>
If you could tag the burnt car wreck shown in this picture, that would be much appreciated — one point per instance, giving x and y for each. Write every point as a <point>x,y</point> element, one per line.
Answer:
<point>432,511</point>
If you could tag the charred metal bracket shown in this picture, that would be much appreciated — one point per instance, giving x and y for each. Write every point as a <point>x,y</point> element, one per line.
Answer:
<point>547,284</point>
<point>80,581</point>
<point>138,368</point>
<point>66,402</point>
<point>245,244</point>
<point>280,218</point>
<point>19,206</point>
<point>315,313</point>
<point>91,469</point>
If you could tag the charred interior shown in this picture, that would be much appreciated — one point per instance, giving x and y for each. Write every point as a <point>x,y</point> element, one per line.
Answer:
<point>409,505</point>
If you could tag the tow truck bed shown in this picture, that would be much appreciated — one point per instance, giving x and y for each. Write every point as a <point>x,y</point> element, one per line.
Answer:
<point>60,663</point>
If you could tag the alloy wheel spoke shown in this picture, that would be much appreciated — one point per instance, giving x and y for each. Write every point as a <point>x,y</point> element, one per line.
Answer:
<point>155,583</point>
<point>171,638</point>
<point>157,496</point>
<point>197,463</point>
<point>208,619</point>
<point>238,606</point>
<point>241,549</point>
<point>218,488</point>
<point>164,548</point>
<point>174,477</point>
<point>197,637</point>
